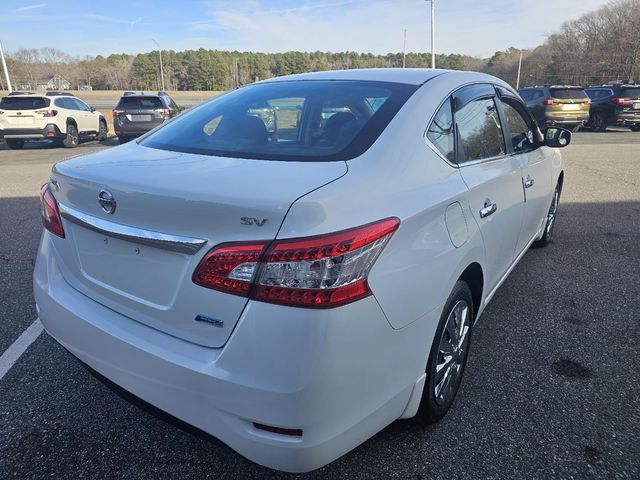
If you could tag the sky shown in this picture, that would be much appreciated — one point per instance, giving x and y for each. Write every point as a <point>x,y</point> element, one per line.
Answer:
<point>474,27</point>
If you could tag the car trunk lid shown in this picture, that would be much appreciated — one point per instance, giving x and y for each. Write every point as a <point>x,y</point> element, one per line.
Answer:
<point>23,112</point>
<point>170,209</point>
<point>569,101</point>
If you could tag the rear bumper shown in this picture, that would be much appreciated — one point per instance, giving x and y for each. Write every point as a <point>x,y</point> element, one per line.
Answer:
<point>566,120</point>
<point>628,119</point>
<point>127,129</point>
<point>50,131</point>
<point>340,375</point>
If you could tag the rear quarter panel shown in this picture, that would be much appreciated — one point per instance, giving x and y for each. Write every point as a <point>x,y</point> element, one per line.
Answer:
<point>401,176</point>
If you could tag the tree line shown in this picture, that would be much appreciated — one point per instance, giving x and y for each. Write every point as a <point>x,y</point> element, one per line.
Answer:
<point>600,46</point>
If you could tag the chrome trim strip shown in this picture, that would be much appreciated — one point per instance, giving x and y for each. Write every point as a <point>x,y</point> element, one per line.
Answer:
<point>165,241</point>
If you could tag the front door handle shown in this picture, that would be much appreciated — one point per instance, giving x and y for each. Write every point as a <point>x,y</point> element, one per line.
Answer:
<point>528,183</point>
<point>488,209</point>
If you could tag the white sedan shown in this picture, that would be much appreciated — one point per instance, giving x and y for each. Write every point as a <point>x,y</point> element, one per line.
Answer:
<point>293,288</point>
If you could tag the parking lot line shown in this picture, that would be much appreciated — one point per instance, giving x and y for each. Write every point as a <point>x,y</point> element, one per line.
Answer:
<point>17,348</point>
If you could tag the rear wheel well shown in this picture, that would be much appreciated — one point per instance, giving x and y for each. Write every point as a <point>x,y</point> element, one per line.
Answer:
<point>474,278</point>
<point>71,121</point>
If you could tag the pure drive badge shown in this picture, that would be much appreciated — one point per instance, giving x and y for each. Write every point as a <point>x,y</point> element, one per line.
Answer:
<point>213,321</point>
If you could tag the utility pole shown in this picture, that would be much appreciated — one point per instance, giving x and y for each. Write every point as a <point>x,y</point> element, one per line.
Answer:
<point>404,49</point>
<point>519,68</point>
<point>161,69</point>
<point>6,71</point>
<point>433,32</point>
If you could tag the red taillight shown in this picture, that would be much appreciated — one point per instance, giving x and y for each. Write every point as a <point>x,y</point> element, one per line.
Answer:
<point>622,101</point>
<point>49,212</point>
<point>230,267</point>
<point>166,113</point>
<point>550,102</point>
<point>115,113</point>
<point>323,271</point>
<point>587,102</point>
<point>47,113</point>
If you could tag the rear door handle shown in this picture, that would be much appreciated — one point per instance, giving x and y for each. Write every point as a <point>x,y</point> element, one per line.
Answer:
<point>528,183</point>
<point>488,209</point>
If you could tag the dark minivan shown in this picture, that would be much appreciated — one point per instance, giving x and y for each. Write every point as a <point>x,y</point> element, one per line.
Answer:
<point>136,114</point>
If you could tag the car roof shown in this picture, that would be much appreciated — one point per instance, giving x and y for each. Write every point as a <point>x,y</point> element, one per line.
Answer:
<point>28,95</point>
<point>138,95</point>
<point>551,86</point>
<point>412,76</point>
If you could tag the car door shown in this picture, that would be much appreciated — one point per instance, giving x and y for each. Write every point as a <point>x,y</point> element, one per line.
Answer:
<point>87,121</point>
<point>493,177</point>
<point>524,144</point>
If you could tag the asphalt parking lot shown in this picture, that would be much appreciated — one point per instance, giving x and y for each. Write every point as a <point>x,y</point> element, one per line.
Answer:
<point>552,387</point>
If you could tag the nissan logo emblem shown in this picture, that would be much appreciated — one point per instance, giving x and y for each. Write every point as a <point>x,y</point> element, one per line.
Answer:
<point>106,201</point>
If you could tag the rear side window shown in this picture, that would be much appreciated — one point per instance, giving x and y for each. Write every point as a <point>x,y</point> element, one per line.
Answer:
<point>479,131</point>
<point>140,102</point>
<point>630,92</point>
<point>440,132</point>
<point>526,95</point>
<point>297,120</point>
<point>24,103</point>
<point>568,93</point>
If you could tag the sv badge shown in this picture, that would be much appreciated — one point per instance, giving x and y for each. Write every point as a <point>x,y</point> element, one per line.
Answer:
<point>258,222</point>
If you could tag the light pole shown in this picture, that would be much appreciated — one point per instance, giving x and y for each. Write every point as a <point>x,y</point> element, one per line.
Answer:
<point>404,50</point>
<point>433,32</point>
<point>161,69</point>
<point>519,69</point>
<point>6,72</point>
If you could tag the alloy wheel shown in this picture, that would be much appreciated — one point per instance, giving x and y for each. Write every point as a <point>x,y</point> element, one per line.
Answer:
<point>551,215</point>
<point>452,352</point>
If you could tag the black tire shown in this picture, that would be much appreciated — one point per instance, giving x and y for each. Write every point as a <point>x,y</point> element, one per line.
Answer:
<point>103,131</point>
<point>635,128</point>
<point>14,144</point>
<point>440,389</point>
<point>550,223</point>
<point>72,139</point>
<point>597,122</point>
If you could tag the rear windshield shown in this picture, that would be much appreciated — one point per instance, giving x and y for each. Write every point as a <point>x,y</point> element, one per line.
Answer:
<point>568,93</point>
<point>140,102</point>
<point>24,103</point>
<point>299,121</point>
<point>633,92</point>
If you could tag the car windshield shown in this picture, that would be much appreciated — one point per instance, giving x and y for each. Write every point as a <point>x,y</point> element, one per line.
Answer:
<point>296,120</point>
<point>24,103</point>
<point>633,92</point>
<point>140,102</point>
<point>568,93</point>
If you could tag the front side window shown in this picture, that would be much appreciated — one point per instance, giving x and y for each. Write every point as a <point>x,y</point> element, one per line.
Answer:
<point>315,120</point>
<point>80,105</point>
<point>521,132</point>
<point>440,132</point>
<point>479,131</point>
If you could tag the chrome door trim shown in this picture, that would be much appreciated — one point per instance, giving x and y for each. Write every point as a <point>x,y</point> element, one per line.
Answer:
<point>165,241</point>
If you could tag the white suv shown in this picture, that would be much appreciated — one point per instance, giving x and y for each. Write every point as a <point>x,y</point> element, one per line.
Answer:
<point>59,117</point>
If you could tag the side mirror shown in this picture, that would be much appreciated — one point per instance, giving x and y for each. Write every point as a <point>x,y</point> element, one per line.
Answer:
<point>93,109</point>
<point>557,137</point>
<point>181,109</point>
